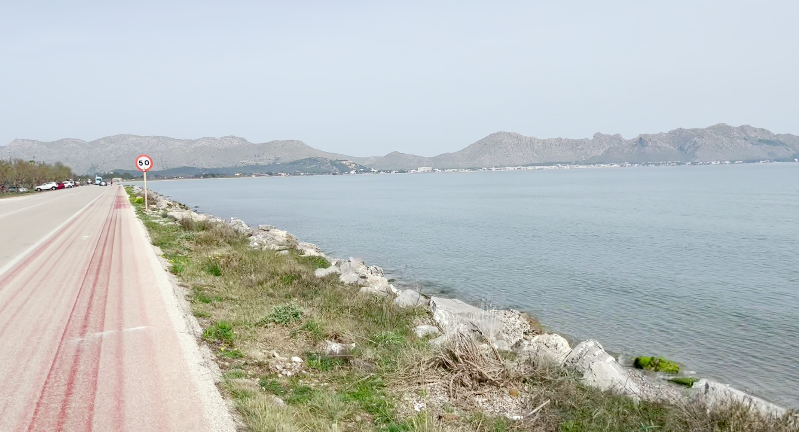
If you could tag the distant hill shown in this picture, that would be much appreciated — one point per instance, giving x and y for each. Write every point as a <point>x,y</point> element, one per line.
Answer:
<point>719,142</point>
<point>304,166</point>
<point>119,152</point>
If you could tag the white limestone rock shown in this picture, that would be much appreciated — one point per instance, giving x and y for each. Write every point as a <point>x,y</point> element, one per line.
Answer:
<point>322,272</point>
<point>349,278</point>
<point>179,215</point>
<point>273,239</point>
<point>545,348</point>
<point>352,266</point>
<point>356,272</point>
<point>283,238</point>
<point>309,249</point>
<point>337,349</point>
<point>599,369</point>
<point>162,203</point>
<point>655,389</point>
<point>377,282</point>
<point>514,326</point>
<point>256,243</point>
<point>714,393</point>
<point>410,298</point>
<point>239,226</point>
<point>454,315</point>
<point>374,271</point>
<point>376,290</point>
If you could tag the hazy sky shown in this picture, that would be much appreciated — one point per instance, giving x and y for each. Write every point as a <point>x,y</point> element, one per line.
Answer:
<point>367,78</point>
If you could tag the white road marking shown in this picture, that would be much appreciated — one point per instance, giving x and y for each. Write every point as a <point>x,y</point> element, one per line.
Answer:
<point>98,335</point>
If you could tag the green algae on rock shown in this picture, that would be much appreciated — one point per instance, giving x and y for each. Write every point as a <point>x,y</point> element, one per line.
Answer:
<point>657,364</point>
<point>685,381</point>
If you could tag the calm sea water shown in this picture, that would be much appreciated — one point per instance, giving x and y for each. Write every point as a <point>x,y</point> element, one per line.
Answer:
<point>699,264</point>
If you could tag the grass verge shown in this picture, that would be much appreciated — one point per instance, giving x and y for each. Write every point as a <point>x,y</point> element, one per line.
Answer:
<point>263,312</point>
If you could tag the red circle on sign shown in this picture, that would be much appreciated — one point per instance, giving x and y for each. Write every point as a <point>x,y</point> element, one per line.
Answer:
<point>144,163</point>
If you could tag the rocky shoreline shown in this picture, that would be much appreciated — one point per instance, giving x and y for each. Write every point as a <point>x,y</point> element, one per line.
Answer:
<point>495,331</point>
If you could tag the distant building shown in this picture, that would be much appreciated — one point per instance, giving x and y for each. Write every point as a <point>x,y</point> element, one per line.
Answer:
<point>425,169</point>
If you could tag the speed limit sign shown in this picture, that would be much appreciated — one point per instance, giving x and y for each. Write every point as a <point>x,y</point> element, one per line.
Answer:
<point>144,163</point>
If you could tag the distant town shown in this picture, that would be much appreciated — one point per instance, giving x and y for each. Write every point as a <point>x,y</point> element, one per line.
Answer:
<point>360,169</point>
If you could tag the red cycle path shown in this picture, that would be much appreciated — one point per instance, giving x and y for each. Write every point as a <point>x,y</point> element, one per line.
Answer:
<point>86,342</point>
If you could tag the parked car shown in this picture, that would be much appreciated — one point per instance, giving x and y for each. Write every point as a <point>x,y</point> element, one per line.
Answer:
<point>47,186</point>
<point>19,189</point>
<point>60,185</point>
<point>69,184</point>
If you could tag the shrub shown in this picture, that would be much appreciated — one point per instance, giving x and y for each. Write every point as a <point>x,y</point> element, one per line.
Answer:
<point>300,395</point>
<point>212,268</point>
<point>231,353</point>
<point>388,338</point>
<point>218,234</point>
<point>371,397</point>
<point>202,314</point>
<point>316,262</point>
<point>315,330</point>
<point>221,331</point>
<point>190,224</point>
<point>202,297</point>
<point>323,363</point>
<point>284,314</point>
<point>272,386</point>
<point>179,263</point>
<point>289,279</point>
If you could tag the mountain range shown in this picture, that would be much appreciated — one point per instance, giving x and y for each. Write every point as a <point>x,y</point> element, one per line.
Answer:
<point>718,142</point>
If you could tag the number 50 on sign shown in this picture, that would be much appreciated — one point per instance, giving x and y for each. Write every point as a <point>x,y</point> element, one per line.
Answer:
<point>144,163</point>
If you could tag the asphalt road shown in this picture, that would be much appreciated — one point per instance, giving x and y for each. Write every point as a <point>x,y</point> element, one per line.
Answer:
<point>91,333</point>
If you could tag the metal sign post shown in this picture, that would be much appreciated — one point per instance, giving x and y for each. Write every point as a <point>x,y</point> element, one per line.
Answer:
<point>144,163</point>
